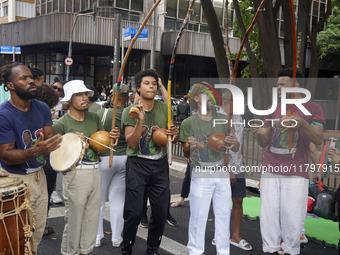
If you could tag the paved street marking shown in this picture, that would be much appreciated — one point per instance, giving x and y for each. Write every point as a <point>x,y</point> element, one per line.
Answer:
<point>167,244</point>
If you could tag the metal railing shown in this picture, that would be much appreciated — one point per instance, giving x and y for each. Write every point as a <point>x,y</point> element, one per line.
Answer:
<point>253,156</point>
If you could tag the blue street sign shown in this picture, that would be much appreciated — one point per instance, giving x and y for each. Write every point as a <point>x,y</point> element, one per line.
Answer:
<point>127,33</point>
<point>143,35</point>
<point>9,50</point>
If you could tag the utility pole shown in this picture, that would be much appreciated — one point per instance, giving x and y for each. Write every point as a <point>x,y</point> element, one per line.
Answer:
<point>87,12</point>
<point>153,40</point>
<point>116,55</point>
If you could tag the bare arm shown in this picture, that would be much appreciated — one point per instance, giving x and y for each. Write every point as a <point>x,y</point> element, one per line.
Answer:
<point>314,153</point>
<point>12,156</point>
<point>133,133</point>
<point>314,133</point>
<point>186,150</point>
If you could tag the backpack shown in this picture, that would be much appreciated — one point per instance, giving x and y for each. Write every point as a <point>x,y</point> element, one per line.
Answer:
<point>316,188</point>
<point>325,205</point>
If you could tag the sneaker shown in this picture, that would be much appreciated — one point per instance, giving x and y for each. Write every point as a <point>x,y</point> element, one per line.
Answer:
<point>281,252</point>
<point>117,244</point>
<point>98,243</point>
<point>144,223</point>
<point>171,221</point>
<point>303,238</point>
<point>55,198</point>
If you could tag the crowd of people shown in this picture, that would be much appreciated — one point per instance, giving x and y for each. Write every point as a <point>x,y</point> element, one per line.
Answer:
<point>37,116</point>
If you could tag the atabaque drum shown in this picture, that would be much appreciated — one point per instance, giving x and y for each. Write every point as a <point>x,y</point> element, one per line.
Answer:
<point>97,139</point>
<point>69,154</point>
<point>216,142</point>
<point>160,137</point>
<point>15,221</point>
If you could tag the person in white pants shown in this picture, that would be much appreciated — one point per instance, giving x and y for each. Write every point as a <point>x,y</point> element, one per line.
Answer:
<point>113,179</point>
<point>210,178</point>
<point>284,182</point>
<point>113,188</point>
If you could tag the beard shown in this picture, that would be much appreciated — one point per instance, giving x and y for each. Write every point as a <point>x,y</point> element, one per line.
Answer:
<point>25,94</point>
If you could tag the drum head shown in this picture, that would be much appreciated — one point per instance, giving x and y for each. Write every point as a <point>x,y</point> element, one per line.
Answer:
<point>68,154</point>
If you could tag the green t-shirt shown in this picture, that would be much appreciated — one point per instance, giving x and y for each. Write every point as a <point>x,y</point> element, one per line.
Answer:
<point>122,145</point>
<point>94,107</point>
<point>154,119</point>
<point>88,126</point>
<point>201,130</point>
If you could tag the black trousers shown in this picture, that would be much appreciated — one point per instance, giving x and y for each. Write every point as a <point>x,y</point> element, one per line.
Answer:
<point>51,179</point>
<point>186,183</point>
<point>151,176</point>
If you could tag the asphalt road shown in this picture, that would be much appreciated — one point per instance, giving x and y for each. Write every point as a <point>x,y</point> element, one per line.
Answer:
<point>175,238</point>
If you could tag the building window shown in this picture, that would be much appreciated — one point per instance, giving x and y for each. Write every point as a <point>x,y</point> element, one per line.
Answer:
<point>169,24</point>
<point>183,8</point>
<point>4,9</point>
<point>137,5</point>
<point>62,5</point>
<point>85,5</point>
<point>55,6</point>
<point>122,4</point>
<point>69,6</point>
<point>196,13</point>
<point>76,6</point>
<point>171,8</point>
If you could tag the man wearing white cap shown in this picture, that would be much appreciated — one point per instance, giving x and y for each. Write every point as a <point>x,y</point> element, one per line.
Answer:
<point>81,186</point>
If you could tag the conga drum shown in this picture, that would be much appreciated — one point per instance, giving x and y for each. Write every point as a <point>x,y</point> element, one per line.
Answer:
<point>15,228</point>
<point>69,154</point>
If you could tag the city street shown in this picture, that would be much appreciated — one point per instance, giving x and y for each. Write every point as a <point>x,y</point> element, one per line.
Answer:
<point>175,238</point>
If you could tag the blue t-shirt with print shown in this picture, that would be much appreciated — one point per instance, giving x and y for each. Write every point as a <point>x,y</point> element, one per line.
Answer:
<point>24,129</point>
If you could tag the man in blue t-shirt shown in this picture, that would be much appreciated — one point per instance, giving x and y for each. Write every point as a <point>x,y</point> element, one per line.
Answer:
<point>26,135</point>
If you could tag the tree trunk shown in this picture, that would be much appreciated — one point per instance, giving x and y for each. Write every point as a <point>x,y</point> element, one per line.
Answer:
<point>267,26</point>
<point>270,49</point>
<point>314,61</point>
<point>257,88</point>
<point>253,65</point>
<point>216,38</point>
<point>301,39</point>
<point>288,35</point>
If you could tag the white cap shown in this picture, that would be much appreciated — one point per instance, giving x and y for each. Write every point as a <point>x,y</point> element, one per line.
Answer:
<point>73,87</point>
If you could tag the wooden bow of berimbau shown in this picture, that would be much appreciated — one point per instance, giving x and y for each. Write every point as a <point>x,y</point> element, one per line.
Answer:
<point>113,123</point>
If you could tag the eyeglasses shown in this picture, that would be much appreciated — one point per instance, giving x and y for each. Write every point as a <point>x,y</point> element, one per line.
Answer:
<point>59,89</point>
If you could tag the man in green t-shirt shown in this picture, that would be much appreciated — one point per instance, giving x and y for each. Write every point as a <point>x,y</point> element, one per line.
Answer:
<point>210,176</point>
<point>147,167</point>
<point>113,178</point>
<point>81,186</point>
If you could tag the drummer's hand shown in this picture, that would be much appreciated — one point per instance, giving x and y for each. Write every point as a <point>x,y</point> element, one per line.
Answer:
<point>49,145</point>
<point>173,131</point>
<point>192,141</point>
<point>141,111</point>
<point>114,134</point>
<point>3,174</point>
<point>232,141</point>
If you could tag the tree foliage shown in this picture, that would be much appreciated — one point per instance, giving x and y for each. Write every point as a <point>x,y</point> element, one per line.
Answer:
<point>247,10</point>
<point>329,39</point>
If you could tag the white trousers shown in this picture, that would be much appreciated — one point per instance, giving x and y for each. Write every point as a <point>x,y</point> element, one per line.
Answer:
<point>113,188</point>
<point>283,211</point>
<point>202,192</point>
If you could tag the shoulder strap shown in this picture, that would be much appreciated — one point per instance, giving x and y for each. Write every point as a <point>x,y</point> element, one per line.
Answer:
<point>104,115</point>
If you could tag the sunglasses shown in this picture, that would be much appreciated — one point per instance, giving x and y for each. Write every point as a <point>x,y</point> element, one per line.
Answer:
<point>59,89</point>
